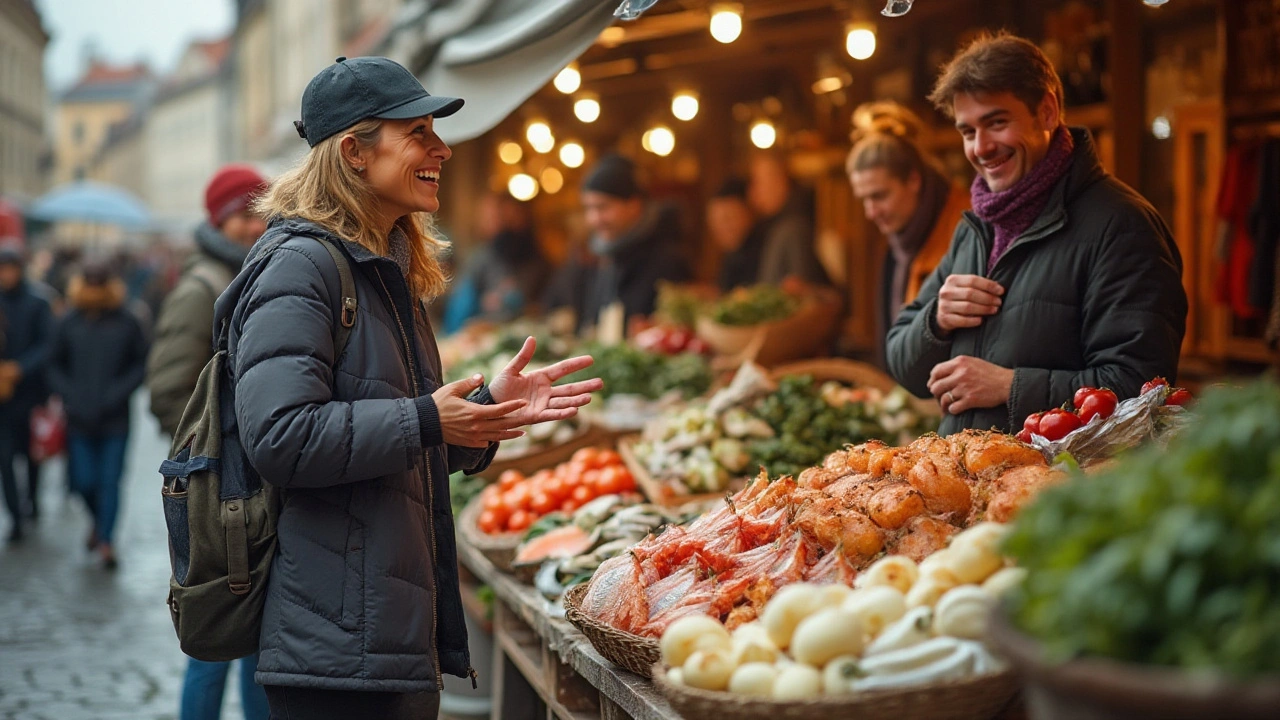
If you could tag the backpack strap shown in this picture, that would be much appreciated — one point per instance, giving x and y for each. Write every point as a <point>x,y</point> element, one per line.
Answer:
<point>348,303</point>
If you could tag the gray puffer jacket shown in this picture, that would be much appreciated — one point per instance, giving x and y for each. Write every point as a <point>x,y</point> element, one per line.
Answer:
<point>363,592</point>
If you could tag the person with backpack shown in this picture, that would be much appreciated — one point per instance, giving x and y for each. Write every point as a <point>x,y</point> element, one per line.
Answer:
<point>337,396</point>
<point>97,360</point>
<point>183,345</point>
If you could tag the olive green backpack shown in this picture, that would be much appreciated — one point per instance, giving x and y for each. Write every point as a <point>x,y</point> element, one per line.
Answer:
<point>221,516</point>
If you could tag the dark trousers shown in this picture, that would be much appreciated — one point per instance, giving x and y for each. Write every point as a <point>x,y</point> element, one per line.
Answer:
<point>15,442</point>
<point>96,464</point>
<point>294,703</point>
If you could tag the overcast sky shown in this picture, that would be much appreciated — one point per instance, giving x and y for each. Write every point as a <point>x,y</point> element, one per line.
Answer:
<point>125,31</point>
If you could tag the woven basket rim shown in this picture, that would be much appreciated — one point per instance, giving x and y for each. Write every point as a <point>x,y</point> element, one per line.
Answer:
<point>483,541</point>
<point>624,649</point>
<point>992,688</point>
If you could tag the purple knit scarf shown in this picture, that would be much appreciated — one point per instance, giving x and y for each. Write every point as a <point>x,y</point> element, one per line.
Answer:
<point>1012,211</point>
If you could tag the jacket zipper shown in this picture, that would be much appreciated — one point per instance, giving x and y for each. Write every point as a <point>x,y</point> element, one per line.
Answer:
<point>431,493</point>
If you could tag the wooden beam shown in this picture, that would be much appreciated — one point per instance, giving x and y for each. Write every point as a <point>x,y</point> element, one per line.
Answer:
<point>1128,88</point>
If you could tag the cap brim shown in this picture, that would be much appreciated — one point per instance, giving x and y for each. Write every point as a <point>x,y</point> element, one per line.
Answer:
<point>433,105</point>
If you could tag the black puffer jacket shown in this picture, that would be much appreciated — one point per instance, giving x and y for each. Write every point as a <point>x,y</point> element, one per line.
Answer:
<point>364,588</point>
<point>1093,296</point>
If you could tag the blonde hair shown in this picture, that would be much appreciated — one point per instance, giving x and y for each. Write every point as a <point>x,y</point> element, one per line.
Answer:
<point>327,191</point>
<point>885,135</point>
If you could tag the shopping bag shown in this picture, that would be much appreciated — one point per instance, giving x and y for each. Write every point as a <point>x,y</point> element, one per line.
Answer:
<point>48,431</point>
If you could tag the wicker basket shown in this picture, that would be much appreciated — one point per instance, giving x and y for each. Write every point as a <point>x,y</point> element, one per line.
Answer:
<point>631,652</point>
<point>976,698</point>
<point>806,333</point>
<point>497,549</point>
<point>852,372</point>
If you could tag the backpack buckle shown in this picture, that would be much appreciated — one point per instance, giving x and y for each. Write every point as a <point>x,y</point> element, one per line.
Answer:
<point>239,588</point>
<point>349,307</point>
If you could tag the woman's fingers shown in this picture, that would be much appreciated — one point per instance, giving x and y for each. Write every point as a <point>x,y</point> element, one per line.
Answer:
<point>585,387</point>
<point>567,367</point>
<point>560,403</point>
<point>522,358</point>
<point>549,415</point>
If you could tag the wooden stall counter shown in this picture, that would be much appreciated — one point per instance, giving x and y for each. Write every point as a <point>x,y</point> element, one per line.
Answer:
<point>544,669</point>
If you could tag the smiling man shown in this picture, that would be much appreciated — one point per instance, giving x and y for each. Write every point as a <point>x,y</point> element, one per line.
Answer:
<point>1060,276</point>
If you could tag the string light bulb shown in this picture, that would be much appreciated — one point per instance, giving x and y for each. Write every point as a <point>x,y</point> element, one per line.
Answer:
<point>587,108</point>
<point>726,22</point>
<point>572,155</point>
<point>763,134</point>
<point>860,41</point>
<point>552,180</point>
<point>510,152</point>
<point>568,80</point>
<point>659,140</point>
<point>522,187</point>
<point>684,106</point>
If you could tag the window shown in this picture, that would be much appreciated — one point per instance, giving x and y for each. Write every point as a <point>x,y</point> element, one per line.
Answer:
<point>77,132</point>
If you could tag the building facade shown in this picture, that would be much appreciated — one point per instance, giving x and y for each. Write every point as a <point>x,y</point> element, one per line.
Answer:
<point>22,99</point>
<point>103,97</point>
<point>187,135</point>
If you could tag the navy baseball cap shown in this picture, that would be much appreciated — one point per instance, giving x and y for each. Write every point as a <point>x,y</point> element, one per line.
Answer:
<point>355,89</point>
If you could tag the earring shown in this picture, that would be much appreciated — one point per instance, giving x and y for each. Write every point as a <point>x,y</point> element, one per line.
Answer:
<point>360,169</point>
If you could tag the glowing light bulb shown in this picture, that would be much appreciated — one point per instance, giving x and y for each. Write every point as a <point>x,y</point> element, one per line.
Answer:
<point>510,152</point>
<point>684,106</point>
<point>587,109</point>
<point>726,22</point>
<point>763,134</point>
<point>552,180</point>
<point>659,140</point>
<point>522,187</point>
<point>572,155</point>
<point>860,43</point>
<point>568,80</point>
<point>536,131</point>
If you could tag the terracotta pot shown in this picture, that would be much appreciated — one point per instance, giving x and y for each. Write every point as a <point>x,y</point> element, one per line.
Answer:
<point>1100,689</point>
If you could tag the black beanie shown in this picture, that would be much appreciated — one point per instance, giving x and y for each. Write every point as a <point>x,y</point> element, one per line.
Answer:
<point>613,175</point>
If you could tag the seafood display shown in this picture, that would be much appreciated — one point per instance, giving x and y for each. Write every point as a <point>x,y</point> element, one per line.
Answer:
<point>823,526</point>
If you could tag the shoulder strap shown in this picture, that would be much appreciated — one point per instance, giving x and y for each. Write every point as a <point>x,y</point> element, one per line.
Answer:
<point>349,305</point>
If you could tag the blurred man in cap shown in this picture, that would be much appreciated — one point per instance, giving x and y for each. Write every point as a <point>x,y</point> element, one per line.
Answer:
<point>634,244</point>
<point>27,324</point>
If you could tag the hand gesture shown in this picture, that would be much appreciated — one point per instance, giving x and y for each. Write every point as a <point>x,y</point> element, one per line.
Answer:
<point>965,382</point>
<point>964,300</point>
<point>469,424</point>
<point>543,400</point>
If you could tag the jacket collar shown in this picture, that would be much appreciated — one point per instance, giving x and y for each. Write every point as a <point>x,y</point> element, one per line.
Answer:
<point>219,246</point>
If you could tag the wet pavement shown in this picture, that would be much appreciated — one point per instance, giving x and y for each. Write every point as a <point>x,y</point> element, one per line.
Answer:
<point>77,641</point>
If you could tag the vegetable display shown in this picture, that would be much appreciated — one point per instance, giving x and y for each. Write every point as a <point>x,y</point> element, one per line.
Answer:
<point>627,370</point>
<point>754,305</point>
<point>515,502</point>
<point>813,640</point>
<point>831,522</point>
<point>1170,557</point>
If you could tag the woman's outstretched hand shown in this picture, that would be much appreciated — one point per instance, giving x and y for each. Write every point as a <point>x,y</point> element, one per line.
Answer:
<point>544,400</point>
<point>469,424</point>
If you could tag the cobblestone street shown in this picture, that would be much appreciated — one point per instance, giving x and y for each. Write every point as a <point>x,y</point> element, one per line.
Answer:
<point>78,642</point>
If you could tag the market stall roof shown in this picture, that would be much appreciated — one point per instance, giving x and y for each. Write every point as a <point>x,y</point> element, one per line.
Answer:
<point>493,53</point>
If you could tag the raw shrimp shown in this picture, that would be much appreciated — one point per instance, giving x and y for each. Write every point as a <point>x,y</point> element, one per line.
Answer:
<point>894,505</point>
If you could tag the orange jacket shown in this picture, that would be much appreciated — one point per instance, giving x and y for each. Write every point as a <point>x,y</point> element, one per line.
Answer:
<point>939,241</point>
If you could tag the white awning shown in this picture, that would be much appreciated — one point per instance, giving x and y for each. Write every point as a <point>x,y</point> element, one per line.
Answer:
<point>493,53</point>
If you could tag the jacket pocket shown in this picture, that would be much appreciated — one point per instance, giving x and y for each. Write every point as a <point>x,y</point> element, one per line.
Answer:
<point>353,578</point>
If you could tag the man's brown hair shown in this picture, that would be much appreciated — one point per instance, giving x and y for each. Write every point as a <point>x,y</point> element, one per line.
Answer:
<point>995,64</point>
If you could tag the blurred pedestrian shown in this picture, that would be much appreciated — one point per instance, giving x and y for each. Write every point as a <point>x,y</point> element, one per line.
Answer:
<point>98,359</point>
<point>734,232</point>
<point>503,276</point>
<point>903,191</point>
<point>635,243</point>
<point>785,220</point>
<point>28,333</point>
<point>183,345</point>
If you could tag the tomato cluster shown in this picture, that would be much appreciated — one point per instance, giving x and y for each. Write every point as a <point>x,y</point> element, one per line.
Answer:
<point>1174,396</point>
<point>1089,402</point>
<point>515,502</point>
<point>669,340</point>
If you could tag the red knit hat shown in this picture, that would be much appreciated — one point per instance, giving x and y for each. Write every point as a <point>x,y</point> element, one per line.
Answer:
<point>231,190</point>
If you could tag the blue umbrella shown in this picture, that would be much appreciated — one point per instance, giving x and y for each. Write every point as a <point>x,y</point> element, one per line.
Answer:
<point>91,202</point>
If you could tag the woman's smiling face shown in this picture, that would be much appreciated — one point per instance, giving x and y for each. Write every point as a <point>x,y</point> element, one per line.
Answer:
<point>403,169</point>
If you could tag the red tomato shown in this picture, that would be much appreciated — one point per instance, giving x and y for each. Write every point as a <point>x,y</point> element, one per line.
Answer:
<point>1024,435</point>
<point>1032,423</point>
<point>609,457</point>
<point>582,494</point>
<point>542,503</point>
<point>585,457</point>
<point>1097,402</point>
<point>491,522</point>
<point>697,346</point>
<point>510,478</point>
<point>1056,424</point>
<point>517,498</point>
<point>557,488</point>
<point>1179,396</point>
<point>676,340</point>
<point>1081,394</point>
<point>491,498</point>
<point>1151,385</point>
<point>520,520</point>
<point>609,482</point>
<point>591,478</point>
<point>627,479</point>
<point>651,340</point>
<point>569,507</point>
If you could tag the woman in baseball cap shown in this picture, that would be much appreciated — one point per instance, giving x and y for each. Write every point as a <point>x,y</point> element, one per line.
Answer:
<point>362,611</point>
